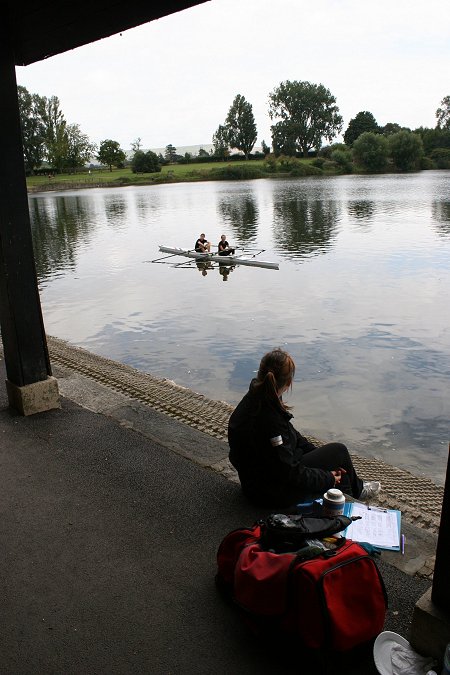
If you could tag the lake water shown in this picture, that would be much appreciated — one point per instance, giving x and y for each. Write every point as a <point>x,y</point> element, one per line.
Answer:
<point>361,299</point>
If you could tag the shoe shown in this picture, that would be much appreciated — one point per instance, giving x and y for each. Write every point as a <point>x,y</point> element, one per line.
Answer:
<point>370,490</point>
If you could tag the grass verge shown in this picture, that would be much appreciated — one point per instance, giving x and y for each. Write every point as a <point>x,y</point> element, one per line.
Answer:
<point>172,173</point>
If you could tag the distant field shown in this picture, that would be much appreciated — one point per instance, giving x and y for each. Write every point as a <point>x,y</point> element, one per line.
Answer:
<point>123,176</point>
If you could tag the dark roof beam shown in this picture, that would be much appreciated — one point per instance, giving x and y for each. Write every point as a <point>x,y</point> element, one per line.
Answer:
<point>43,29</point>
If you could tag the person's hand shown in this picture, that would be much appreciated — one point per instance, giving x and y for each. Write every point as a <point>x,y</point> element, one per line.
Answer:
<point>337,477</point>
<point>337,473</point>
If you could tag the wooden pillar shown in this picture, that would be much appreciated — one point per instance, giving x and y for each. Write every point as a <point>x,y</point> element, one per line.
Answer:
<point>440,592</point>
<point>30,385</point>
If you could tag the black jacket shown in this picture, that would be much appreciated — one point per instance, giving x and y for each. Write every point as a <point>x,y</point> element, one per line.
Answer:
<point>272,476</point>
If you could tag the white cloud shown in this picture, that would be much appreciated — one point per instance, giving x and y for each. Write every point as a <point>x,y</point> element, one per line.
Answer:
<point>173,80</point>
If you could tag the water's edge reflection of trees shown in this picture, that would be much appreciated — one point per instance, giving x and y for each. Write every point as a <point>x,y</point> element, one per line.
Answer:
<point>304,223</point>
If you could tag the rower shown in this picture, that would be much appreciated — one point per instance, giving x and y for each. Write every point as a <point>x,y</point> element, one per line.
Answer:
<point>224,246</point>
<point>202,245</point>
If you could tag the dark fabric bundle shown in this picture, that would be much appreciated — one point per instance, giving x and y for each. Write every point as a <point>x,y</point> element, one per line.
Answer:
<point>281,532</point>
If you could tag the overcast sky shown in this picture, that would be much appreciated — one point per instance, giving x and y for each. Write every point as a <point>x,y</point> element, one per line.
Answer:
<point>173,80</point>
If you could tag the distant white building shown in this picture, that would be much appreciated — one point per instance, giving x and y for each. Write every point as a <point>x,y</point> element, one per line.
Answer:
<point>193,149</point>
<point>182,149</point>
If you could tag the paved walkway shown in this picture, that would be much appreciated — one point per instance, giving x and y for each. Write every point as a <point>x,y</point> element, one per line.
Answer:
<point>110,521</point>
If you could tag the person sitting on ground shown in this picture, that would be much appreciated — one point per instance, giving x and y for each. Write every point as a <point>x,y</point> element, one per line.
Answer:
<point>277,466</point>
<point>202,245</point>
<point>224,246</point>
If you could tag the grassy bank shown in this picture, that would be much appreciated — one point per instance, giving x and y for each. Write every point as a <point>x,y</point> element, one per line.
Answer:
<point>169,174</point>
<point>100,177</point>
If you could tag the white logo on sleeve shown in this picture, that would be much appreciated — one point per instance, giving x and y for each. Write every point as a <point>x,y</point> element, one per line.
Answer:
<point>276,440</point>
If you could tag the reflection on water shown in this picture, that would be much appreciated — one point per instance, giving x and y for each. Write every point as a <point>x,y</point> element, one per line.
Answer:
<point>204,267</point>
<point>441,217</point>
<point>365,315</point>
<point>223,270</point>
<point>304,226</point>
<point>147,208</point>
<point>361,211</point>
<point>239,214</point>
<point>61,225</point>
<point>116,210</point>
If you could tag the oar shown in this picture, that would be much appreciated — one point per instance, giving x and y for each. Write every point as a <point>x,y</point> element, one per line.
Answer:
<point>166,257</point>
<point>244,248</point>
<point>171,255</point>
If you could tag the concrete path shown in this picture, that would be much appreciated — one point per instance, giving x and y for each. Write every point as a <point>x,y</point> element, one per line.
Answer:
<point>108,536</point>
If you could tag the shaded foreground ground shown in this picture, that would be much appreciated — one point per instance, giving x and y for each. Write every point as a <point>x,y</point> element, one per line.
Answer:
<point>108,540</point>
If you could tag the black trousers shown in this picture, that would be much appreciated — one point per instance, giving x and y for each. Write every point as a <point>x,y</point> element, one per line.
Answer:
<point>334,456</point>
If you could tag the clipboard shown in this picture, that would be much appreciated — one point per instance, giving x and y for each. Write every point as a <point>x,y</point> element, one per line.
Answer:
<point>379,527</point>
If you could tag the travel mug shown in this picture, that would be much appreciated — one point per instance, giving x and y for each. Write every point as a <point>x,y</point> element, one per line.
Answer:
<point>333,503</point>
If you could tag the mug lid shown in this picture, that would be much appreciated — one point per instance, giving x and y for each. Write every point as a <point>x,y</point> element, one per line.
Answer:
<point>334,494</point>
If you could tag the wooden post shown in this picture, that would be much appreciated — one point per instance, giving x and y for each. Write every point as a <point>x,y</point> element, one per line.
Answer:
<point>440,592</point>
<point>22,328</point>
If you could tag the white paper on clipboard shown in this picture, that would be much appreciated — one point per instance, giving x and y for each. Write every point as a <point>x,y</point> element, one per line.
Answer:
<point>379,527</point>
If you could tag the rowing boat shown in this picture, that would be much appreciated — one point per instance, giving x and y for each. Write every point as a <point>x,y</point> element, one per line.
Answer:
<point>222,259</point>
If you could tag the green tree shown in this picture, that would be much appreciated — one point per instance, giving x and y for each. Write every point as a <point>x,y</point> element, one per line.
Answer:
<point>364,121</point>
<point>32,126</point>
<point>55,134</point>
<point>343,158</point>
<point>390,128</point>
<point>136,145</point>
<point>308,113</point>
<point>220,142</point>
<point>111,154</point>
<point>328,150</point>
<point>170,154</point>
<point>145,162</point>
<point>443,113</point>
<point>283,140</point>
<point>79,148</point>
<point>371,151</point>
<point>57,147</point>
<point>240,126</point>
<point>441,158</point>
<point>265,148</point>
<point>433,138</point>
<point>202,153</point>
<point>406,150</point>
<point>46,134</point>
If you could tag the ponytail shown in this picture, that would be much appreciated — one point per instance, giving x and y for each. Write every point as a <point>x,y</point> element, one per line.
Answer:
<point>276,372</point>
<point>269,387</point>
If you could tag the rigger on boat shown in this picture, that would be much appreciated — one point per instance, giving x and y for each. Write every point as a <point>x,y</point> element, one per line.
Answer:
<point>233,259</point>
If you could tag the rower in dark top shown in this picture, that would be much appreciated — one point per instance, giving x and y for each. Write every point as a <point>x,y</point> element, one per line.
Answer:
<point>224,246</point>
<point>202,245</point>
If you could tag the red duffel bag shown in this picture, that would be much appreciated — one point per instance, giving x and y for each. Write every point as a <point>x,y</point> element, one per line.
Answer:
<point>329,598</point>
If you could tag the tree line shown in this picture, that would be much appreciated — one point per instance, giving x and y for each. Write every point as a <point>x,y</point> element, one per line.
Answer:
<point>304,116</point>
<point>47,136</point>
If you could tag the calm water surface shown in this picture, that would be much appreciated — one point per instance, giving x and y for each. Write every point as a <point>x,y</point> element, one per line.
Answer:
<point>361,299</point>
